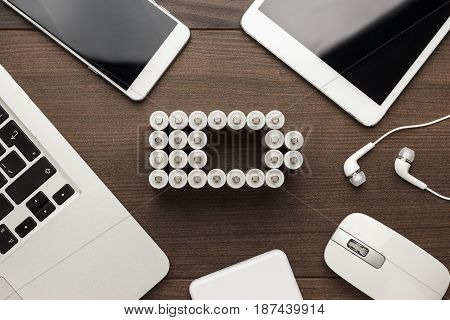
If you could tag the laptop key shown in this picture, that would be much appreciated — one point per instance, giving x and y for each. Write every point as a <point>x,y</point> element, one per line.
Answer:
<point>25,227</point>
<point>30,180</point>
<point>37,202</point>
<point>7,239</point>
<point>3,180</point>
<point>45,211</point>
<point>12,164</point>
<point>63,194</point>
<point>5,207</point>
<point>12,135</point>
<point>3,115</point>
<point>2,150</point>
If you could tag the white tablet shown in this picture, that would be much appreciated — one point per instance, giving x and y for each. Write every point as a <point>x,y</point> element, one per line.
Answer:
<point>266,277</point>
<point>360,53</point>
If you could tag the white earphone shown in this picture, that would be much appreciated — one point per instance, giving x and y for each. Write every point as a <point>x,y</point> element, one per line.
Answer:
<point>406,156</point>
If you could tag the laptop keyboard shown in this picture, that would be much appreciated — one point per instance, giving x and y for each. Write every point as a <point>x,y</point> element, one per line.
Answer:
<point>23,170</point>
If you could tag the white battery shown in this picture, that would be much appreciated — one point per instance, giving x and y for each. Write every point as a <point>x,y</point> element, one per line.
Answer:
<point>197,159</point>
<point>274,178</point>
<point>158,140</point>
<point>294,140</point>
<point>178,159</point>
<point>158,179</point>
<point>158,159</point>
<point>255,178</point>
<point>198,120</point>
<point>178,139</point>
<point>274,139</point>
<point>236,179</point>
<point>275,120</point>
<point>217,178</point>
<point>256,120</point>
<point>159,120</point>
<point>178,120</point>
<point>273,159</point>
<point>197,140</point>
<point>197,179</point>
<point>293,160</point>
<point>236,120</point>
<point>177,179</point>
<point>217,120</point>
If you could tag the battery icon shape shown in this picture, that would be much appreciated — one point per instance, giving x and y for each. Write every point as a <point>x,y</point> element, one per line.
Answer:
<point>217,178</point>
<point>159,120</point>
<point>236,120</point>
<point>158,140</point>
<point>178,120</point>
<point>217,120</point>
<point>177,179</point>
<point>158,159</point>
<point>198,120</point>
<point>294,140</point>
<point>255,178</point>
<point>256,120</point>
<point>197,140</point>
<point>197,179</point>
<point>178,159</point>
<point>274,139</point>
<point>197,159</point>
<point>274,159</point>
<point>293,160</point>
<point>158,179</point>
<point>274,178</point>
<point>236,179</point>
<point>275,120</point>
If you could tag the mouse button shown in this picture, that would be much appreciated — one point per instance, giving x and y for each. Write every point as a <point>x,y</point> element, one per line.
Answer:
<point>7,292</point>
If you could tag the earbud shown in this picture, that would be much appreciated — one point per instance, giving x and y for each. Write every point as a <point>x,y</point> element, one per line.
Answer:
<point>352,169</point>
<point>403,164</point>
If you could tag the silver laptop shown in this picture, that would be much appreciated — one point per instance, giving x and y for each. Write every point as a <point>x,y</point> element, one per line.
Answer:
<point>63,235</point>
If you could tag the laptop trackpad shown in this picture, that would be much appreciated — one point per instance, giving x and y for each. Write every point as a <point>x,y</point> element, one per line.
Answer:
<point>7,292</point>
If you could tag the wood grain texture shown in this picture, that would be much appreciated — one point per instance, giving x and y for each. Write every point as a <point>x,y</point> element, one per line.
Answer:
<point>203,231</point>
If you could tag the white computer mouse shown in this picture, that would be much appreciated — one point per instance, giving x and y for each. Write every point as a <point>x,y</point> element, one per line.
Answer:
<point>382,263</point>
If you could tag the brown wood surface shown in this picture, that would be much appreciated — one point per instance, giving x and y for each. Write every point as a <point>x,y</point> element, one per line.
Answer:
<point>223,68</point>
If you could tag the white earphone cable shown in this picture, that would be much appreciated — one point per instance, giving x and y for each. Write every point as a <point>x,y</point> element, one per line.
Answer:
<point>412,127</point>
<point>438,195</point>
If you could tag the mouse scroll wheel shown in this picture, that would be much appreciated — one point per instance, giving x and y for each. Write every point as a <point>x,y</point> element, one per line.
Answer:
<point>357,248</point>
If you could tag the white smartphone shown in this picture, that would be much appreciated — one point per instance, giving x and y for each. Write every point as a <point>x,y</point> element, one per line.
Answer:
<point>360,53</point>
<point>129,43</point>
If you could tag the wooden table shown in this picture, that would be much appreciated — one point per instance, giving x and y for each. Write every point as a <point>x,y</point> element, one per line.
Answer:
<point>223,68</point>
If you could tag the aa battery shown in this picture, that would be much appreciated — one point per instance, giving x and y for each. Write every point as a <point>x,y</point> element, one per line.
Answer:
<point>178,159</point>
<point>197,159</point>
<point>197,140</point>
<point>217,120</point>
<point>158,159</point>
<point>197,179</point>
<point>274,139</point>
<point>177,179</point>
<point>273,159</point>
<point>236,120</point>
<point>274,178</point>
<point>275,120</point>
<point>158,179</point>
<point>236,179</point>
<point>217,178</point>
<point>178,139</point>
<point>256,120</point>
<point>158,140</point>
<point>294,140</point>
<point>178,120</point>
<point>255,178</point>
<point>293,160</point>
<point>198,120</point>
<point>159,120</point>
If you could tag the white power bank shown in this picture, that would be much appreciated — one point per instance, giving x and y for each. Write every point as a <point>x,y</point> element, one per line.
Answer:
<point>265,277</point>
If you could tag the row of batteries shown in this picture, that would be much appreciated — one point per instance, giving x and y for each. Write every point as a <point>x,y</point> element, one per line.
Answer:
<point>178,123</point>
